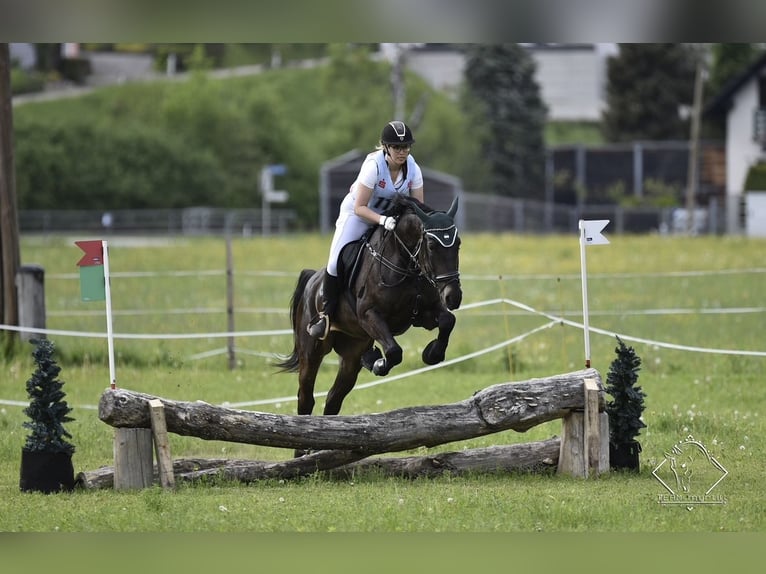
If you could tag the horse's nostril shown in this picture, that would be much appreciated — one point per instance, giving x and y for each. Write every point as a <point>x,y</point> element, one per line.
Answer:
<point>452,298</point>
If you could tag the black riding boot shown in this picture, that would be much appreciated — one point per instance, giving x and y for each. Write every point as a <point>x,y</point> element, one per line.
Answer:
<point>320,326</point>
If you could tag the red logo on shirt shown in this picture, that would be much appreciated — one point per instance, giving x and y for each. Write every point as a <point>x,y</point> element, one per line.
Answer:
<point>382,183</point>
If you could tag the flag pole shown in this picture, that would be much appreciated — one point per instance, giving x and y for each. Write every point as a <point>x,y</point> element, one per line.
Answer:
<point>109,333</point>
<point>590,234</point>
<point>584,279</point>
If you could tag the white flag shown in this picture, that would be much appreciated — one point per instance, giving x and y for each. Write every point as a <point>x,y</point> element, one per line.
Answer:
<point>593,229</point>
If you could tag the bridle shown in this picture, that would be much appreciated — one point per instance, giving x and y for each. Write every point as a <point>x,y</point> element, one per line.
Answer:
<point>446,237</point>
<point>414,268</point>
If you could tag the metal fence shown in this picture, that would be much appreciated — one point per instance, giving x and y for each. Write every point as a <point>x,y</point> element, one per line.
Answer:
<point>496,214</point>
<point>480,212</point>
<point>189,221</point>
<point>581,174</point>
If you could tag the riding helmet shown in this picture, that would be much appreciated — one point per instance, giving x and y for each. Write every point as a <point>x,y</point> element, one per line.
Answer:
<point>396,132</point>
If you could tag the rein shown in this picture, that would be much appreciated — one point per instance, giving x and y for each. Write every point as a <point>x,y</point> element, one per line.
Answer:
<point>446,236</point>
<point>414,269</point>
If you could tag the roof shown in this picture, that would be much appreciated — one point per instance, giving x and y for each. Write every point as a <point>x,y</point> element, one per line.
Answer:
<point>721,102</point>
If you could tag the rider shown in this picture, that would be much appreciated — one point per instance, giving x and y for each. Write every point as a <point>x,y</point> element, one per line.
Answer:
<point>388,170</point>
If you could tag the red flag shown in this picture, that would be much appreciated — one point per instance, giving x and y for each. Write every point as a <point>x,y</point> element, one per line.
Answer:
<point>92,281</point>
<point>94,253</point>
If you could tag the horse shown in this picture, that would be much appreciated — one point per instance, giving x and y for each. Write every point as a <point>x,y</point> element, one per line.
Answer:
<point>392,280</point>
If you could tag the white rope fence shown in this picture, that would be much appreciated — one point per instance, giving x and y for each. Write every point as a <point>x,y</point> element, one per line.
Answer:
<point>552,321</point>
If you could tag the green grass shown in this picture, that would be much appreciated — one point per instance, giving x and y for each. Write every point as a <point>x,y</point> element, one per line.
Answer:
<point>717,398</point>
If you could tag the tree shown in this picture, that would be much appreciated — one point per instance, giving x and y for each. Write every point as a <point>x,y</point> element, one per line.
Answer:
<point>512,116</point>
<point>648,86</point>
<point>625,409</point>
<point>727,62</point>
<point>48,410</point>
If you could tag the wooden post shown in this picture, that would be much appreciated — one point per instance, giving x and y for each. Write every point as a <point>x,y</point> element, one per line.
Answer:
<point>161,444</point>
<point>593,432</point>
<point>30,286</point>
<point>133,466</point>
<point>230,304</point>
<point>585,436</point>
<point>571,455</point>
<point>10,252</point>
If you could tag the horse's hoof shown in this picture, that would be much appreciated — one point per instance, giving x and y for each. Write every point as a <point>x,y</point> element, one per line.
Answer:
<point>434,353</point>
<point>380,367</point>
<point>369,358</point>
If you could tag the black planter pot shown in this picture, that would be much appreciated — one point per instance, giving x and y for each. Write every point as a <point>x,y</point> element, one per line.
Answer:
<point>624,456</point>
<point>46,472</point>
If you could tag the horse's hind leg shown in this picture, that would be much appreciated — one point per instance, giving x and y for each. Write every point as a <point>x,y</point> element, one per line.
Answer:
<point>307,374</point>
<point>350,363</point>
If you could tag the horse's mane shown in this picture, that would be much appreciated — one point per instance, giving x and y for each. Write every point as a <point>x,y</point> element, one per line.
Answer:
<point>402,204</point>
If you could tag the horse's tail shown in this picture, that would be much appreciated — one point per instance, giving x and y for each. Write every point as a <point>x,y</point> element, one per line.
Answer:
<point>291,363</point>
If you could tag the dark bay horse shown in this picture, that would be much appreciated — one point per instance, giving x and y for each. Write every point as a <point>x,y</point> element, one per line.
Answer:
<point>392,280</point>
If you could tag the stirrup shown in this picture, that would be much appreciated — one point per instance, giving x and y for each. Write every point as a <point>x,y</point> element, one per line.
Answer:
<point>319,328</point>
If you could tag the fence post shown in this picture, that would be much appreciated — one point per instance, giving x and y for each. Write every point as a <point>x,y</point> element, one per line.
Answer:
<point>30,289</point>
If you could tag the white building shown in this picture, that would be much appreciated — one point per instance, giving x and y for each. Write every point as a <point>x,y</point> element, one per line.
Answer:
<point>572,77</point>
<point>743,103</point>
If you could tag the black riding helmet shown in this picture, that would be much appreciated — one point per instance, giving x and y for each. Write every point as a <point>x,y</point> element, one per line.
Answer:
<point>396,132</point>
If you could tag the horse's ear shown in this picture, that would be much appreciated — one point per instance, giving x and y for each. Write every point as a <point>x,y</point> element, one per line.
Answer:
<point>453,208</point>
<point>419,212</point>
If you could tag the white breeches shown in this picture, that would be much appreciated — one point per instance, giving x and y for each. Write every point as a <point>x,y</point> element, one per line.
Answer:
<point>348,227</point>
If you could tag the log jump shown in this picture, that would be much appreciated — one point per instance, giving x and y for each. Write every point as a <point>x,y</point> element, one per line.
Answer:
<point>340,443</point>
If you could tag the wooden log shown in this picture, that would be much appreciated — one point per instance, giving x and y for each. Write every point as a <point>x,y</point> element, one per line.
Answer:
<point>243,470</point>
<point>508,406</point>
<point>523,457</point>
<point>104,477</point>
<point>534,456</point>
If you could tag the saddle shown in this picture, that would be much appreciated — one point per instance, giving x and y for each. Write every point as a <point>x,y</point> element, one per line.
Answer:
<point>349,260</point>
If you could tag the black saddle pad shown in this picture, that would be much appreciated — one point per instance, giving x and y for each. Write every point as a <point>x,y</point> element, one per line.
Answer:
<point>350,257</point>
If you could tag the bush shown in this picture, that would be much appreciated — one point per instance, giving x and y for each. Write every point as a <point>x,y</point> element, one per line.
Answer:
<point>756,177</point>
<point>26,82</point>
<point>72,163</point>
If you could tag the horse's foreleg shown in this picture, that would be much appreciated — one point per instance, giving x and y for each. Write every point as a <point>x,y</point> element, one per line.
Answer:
<point>377,328</point>
<point>436,350</point>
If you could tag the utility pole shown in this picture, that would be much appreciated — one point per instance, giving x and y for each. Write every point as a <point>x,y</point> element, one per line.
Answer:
<point>9,224</point>
<point>692,179</point>
<point>397,81</point>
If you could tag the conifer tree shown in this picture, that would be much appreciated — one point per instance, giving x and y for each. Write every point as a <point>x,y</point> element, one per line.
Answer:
<point>625,409</point>
<point>648,86</point>
<point>501,77</point>
<point>47,409</point>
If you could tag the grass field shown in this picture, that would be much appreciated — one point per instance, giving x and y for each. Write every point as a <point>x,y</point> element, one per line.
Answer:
<point>691,307</point>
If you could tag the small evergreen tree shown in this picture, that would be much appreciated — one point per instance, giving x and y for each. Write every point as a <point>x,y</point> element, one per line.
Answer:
<point>47,409</point>
<point>625,410</point>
